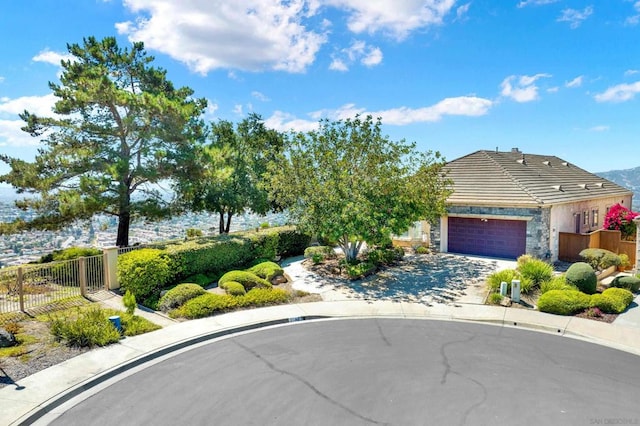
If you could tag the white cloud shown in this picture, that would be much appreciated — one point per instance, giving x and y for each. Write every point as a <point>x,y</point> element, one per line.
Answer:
<point>237,109</point>
<point>600,128</point>
<point>575,17</point>
<point>51,57</point>
<point>619,93</point>
<point>396,18</point>
<point>39,105</point>
<point>338,65</point>
<point>461,11</point>
<point>576,82</point>
<point>12,135</point>
<point>521,88</point>
<point>553,89</point>
<point>284,122</point>
<point>249,35</point>
<point>628,73</point>
<point>634,19</point>
<point>525,3</point>
<point>470,106</point>
<point>210,112</point>
<point>358,51</point>
<point>10,125</point>
<point>260,96</point>
<point>1,79</point>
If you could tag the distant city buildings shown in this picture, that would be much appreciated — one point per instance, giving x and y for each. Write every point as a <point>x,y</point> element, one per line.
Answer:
<point>26,247</point>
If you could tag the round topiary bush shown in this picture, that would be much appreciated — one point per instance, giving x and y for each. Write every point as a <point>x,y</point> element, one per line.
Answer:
<point>583,276</point>
<point>563,302</point>
<point>248,280</point>
<point>178,295</point>
<point>628,282</point>
<point>612,300</point>
<point>233,288</point>
<point>144,272</point>
<point>266,270</point>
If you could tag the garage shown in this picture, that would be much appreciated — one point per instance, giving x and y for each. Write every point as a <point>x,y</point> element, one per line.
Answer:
<point>487,237</point>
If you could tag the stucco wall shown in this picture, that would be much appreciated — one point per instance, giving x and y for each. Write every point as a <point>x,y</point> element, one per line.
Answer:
<point>563,217</point>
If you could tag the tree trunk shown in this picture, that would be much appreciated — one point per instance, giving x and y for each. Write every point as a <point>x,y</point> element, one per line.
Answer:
<point>124,220</point>
<point>124,217</point>
<point>350,249</point>
<point>221,223</point>
<point>226,229</point>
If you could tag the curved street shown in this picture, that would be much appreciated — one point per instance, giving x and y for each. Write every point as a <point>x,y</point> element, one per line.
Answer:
<point>375,371</point>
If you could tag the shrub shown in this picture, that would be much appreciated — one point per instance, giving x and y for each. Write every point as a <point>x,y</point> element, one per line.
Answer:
<point>205,305</point>
<point>178,295</point>
<point>90,328</point>
<point>67,273</point>
<point>495,298</point>
<point>234,288</point>
<point>385,256</point>
<point>507,275</point>
<point>612,300</point>
<point>201,279</point>
<point>322,252</point>
<point>264,297</point>
<point>292,242</point>
<point>129,301</point>
<point>535,270</point>
<point>133,325</point>
<point>144,272</point>
<point>360,270</point>
<point>248,280</point>
<point>621,218</point>
<point>600,259</point>
<point>628,282</point>
<point>194,232</point>
<point>582,276</point>
<point>563,302</point>
<point>525,258</point>
<point>69,254</point>
<point>556,283</point>
<point>422,250</point>
<point>267,270</point>
<point>266,244</point>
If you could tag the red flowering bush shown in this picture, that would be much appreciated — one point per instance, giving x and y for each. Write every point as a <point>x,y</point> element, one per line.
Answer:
<point>621,219</point>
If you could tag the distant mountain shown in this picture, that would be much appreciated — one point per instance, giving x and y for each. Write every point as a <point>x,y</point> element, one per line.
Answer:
<point>629,178</point>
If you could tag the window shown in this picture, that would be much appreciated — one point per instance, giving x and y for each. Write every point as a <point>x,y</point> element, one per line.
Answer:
<point>594,217</point>
<point>585,218</point>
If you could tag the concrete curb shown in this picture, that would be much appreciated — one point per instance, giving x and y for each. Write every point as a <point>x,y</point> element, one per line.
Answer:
<point>44,392</point>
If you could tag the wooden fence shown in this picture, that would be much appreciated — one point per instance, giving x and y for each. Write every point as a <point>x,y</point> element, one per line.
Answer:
<point>570,245</point>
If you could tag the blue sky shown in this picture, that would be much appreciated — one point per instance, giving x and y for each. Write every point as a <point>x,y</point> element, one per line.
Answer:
<point>556,77</point>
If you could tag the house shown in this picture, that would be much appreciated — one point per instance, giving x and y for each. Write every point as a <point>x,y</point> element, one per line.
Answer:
<point>505,204</point>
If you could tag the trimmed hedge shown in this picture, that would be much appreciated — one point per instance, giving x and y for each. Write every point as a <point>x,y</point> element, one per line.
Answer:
<point>248,280</point>
<point>612,300</point>
<point>628,282</point>
<point>600,259</point>
<point>179,295</point>
<point>216,255</point>
<point>144,272</point>
<point>583,276</point>
<point>266,270</point>
<point>234,288</point>
<point>563,302</point>
<point>209,304</point>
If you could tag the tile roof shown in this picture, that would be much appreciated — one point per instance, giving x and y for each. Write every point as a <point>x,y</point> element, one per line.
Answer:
<point>516,178</point>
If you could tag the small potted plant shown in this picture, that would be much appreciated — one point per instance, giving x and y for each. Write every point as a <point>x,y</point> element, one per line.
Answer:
<point>624,262</point>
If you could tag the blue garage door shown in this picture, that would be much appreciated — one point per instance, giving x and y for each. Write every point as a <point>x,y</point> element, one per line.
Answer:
<point>487,237</point>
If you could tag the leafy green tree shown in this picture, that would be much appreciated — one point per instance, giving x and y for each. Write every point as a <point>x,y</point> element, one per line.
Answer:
<point>227,176</point>
<point>120,128</point>
<point>346,182</point>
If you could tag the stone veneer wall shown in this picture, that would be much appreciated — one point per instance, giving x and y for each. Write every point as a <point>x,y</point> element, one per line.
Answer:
<point>538,227</point>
